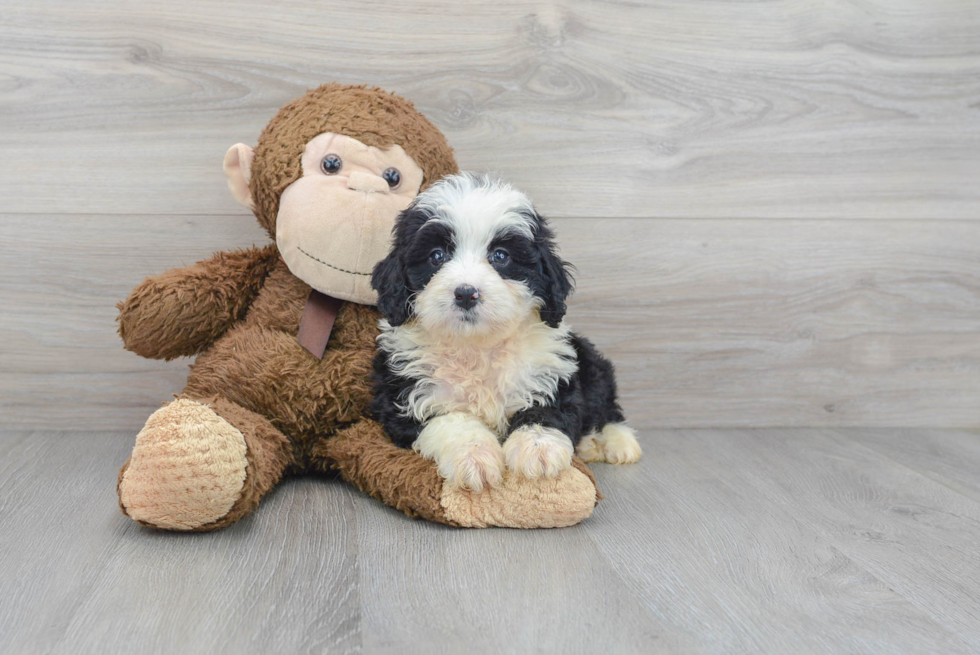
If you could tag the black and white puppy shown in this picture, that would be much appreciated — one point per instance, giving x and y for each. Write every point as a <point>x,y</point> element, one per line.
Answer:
<point>473,350</point>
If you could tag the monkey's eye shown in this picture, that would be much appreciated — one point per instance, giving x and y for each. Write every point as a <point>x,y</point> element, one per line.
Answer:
<point>499,256</point>
<point>437,257</point>
<point>331,164</point>
<point>392,177</point>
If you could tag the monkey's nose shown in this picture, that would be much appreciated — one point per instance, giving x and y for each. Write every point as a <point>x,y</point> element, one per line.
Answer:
<point>467,296</point>
<point>366,182</point>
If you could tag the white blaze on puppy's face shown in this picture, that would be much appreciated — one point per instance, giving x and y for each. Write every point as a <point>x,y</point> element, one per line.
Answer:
<point>476,216</point>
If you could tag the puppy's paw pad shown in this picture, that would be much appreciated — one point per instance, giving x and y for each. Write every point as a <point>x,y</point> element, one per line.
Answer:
<point>536,451</point>
<point>619,444</point>
<point>476,468</point>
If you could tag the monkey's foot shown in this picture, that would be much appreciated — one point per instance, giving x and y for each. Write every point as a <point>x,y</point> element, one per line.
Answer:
<point>187,469</point>
<point>522,503</point>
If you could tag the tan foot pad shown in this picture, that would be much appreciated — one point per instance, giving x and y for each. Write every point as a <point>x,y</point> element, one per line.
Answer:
<point>187,469</point>
<point>521,503</point>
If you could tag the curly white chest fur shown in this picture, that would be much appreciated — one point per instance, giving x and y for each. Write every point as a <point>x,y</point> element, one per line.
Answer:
<point>491,380</point>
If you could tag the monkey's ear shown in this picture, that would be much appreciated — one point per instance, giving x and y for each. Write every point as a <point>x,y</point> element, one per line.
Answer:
<point>238,170</point>
<point>394,299</point>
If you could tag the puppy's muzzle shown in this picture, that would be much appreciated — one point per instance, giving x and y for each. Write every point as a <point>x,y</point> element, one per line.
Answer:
<point>466,296</point>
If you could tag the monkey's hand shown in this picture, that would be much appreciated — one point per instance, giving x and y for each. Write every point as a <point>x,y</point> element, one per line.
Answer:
<point>182,312</point>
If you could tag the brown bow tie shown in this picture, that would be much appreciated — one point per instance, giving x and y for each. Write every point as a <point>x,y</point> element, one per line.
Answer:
<point>317,322</point>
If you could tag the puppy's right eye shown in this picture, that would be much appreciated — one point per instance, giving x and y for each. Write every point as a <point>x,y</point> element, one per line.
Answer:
<point>437,257</point>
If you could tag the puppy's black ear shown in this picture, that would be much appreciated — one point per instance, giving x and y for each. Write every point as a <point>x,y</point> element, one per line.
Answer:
<point>557,278</point>
<point>388,279</point>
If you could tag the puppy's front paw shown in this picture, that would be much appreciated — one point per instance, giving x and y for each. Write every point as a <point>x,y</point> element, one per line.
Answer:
<point>616,444</point>
<point>621,446</point>
<point>535,451</point>
<point>590,450</point>
<point>474,467</point>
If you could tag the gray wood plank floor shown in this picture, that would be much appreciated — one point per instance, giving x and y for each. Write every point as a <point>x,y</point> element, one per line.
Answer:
<point>719,541</point>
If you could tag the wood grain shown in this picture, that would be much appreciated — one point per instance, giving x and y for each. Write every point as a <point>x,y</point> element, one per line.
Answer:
<point>911,534</point>
<point>766,323</point>
<point>735,541</point>
<point>697,533</point>
<point>114,118</point>
<point>783,109</point>
<point>710,322</point>
<point>951,458</point>
<point>514,591</point>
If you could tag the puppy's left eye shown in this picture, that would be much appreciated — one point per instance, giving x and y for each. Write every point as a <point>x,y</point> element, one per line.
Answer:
<point>499,256</point>
<point>437,257</point>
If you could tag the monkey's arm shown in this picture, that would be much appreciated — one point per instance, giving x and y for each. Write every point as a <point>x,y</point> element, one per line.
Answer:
<point>401,478</point>
<point>182,311</point>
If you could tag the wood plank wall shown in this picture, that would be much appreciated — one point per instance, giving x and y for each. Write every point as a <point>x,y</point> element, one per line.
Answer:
<point>774,206</point>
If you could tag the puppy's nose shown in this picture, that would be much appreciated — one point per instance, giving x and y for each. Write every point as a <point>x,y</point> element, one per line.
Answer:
<point>358,181</point>
<point>467,296</point>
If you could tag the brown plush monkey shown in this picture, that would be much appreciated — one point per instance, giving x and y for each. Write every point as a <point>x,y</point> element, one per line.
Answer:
<point>274,390</point>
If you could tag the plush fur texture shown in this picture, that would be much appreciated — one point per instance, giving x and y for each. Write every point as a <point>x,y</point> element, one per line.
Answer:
<point>183,311</point>
<point>372,116</point>
<point>473,349</point>
<point>253,383</point>
<point>203,464</point>
<point>400,478</point>
<point>522,503</point>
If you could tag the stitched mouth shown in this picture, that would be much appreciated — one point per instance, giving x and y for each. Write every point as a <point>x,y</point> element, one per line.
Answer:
<point>336,268</point>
